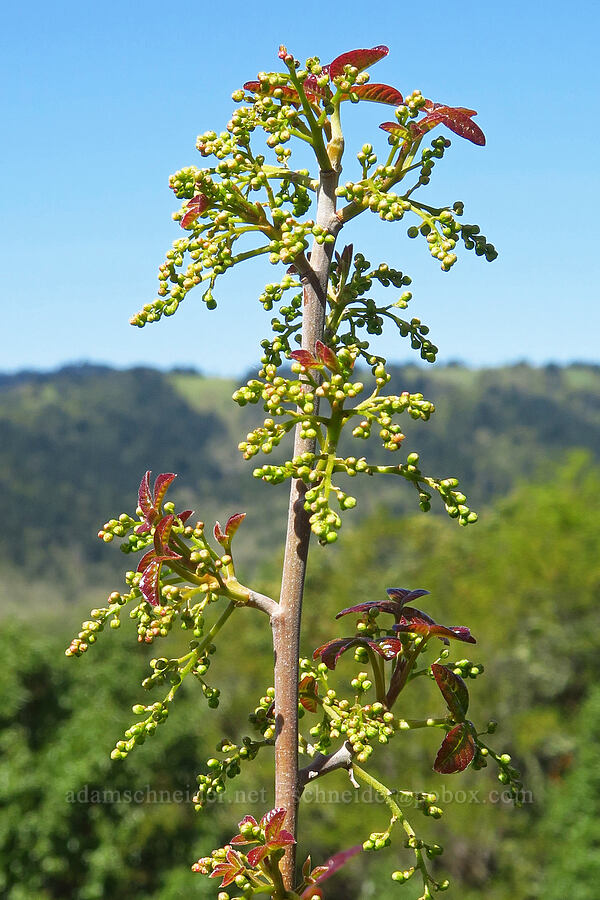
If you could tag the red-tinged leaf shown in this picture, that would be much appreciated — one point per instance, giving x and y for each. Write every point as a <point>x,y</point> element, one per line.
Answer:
<point>395,605</point>
<point>344,260</point>
<point>427,630</point>
<point>219,534</point>
<point>233,523</point>
<point>149,582</point>
<point>272,822</point>
<point>240,838</point>
<point>454,690</point>
<point>145,495</point>
<point>308,692</point>
<point>257,854</point>
<point>184,516</point>
<point>229,870</point>
<point>314,92</point>
<point>305,358</point>
<point>285,838</point>
<point>405,595</point>
<point>196,206</point>
<point>457,750</point>
<point>322,873</point>
<point>161,486</point>
<point>248,820</point>
<point>411,614</point>
<point>145,561</point>
<point>464,127</point>
<point>143,528</point>
<point>430,105</point>
<point>326,355</point>
<point>394,128</point>
<point>359,59</point>
<point>162,534</point>
<point>390,648</point>
<point>458,119</point>
<point>287,93</point>
<point>381,605</point>
<point>332,650</point>
<point>377,93</point>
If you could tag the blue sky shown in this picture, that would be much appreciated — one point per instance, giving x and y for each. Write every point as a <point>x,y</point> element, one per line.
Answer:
<point>102,101</point>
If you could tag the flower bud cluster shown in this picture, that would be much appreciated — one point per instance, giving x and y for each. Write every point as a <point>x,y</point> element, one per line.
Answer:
<point>225,858</point>
<point>364,725</point>
<point>137,734</point>
<point>214,782</point>
<point>117,528</point>
<point>467,669</point>
<point>351,308</point>
<point>389,206</point>
<point>92,627</point>
<point>367,158</point>
<point>442,231</point>
<point>507,774</point>
<point>381,410</point>
<point>273,293</point>
<point>263,717</point>
<point>294,193</point>
<point>153,621</point>
<point>293,239</point>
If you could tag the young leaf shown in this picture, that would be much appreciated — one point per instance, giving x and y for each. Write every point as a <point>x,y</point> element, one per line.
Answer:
<point>196,206</point>
<point>427,630</point>
<point>394,128</point>
<point>308,692</point>
<point>305,358</point>
<point>327,356</point>
<point>457,750</point>
<point>325,871</point>
<point>257,854</point>
<point>287,93</point>
<point>149,582</point>
<point>405,595</point>
<point>377,93</point>
<point>395,605</point>
<point>454,690</point>
<point>145,501</point>
<point>314,92</point>
<point>233,523</point>
<point>161,485</point>
<point>457,118</point>
<point>229,870</point>
<point>272,822</point>
<point>332,650</point>
<point>161,538</point>
<point>359,59</point>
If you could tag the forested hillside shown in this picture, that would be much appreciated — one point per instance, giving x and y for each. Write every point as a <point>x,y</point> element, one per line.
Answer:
<point>75,443</point>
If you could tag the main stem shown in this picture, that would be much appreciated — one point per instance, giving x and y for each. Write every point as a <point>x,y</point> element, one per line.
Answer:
<point>286,621</point>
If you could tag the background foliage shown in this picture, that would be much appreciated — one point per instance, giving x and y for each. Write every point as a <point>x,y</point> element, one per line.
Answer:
<point>526,580</point>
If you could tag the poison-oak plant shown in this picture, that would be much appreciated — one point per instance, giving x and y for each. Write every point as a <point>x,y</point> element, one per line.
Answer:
<point>314,380</point>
